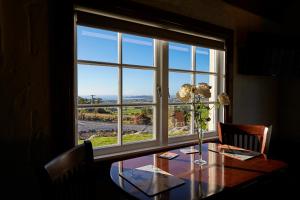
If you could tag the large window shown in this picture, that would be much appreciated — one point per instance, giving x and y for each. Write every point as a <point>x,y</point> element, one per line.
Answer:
<point>115,87</point>
<point>122,79</point>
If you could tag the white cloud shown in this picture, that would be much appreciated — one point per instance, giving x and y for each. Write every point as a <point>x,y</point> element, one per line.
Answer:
<point>140,42</point>
<point>173,47</point>
<point>99,35</point>
<point>202,52</point>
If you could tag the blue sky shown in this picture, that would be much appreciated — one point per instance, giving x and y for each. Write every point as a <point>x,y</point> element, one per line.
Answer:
<point>101,45</point>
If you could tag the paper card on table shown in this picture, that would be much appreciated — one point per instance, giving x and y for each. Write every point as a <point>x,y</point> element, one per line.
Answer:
<point>168,155</point>
<point>151,180</point>
<point>152,168</point>
<point>189,150</point>
<point>240,154</point>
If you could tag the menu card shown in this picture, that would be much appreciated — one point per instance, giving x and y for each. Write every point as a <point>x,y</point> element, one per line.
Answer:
<point>168,155</point>
<point>240,154</point>
<point>189,150</point>
<point>151,180</point>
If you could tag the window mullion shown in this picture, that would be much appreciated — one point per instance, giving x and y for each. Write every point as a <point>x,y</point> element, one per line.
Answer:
<point>213,81</point>
<point>193,57</point>
<point>156,90</point>
<point>120,91</point>
<point>164,77</point>
<point>221,80</point>
<point>75,80</point>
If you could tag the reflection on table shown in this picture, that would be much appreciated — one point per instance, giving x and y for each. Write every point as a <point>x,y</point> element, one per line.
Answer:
<point>219,174</point>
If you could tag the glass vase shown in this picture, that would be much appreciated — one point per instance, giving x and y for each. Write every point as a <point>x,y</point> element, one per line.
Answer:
<point>200,161</point>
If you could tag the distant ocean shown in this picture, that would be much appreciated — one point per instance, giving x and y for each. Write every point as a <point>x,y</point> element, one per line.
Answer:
<point>115,97</point>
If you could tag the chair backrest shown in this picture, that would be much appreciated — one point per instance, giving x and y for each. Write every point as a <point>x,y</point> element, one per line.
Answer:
<point>179,119</point>
<point>70,174</point>
<point>252,137</point>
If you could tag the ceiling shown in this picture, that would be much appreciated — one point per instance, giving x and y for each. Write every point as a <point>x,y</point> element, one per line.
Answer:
<point>271,9</point>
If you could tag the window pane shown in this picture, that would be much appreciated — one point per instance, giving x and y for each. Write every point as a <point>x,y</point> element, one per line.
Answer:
<point>137,50</point>
<point>137,85</point>
<point>180,56</point>
<point>222,59</point>
<point>137,123</point>
<point>176,80</point>
<point>100,125</point>
<point>202,60</point>
<point>97,44</point>
<point>211,80</point>
<point>210,114</point>
<point>179,120</point>
<point>97,85</point>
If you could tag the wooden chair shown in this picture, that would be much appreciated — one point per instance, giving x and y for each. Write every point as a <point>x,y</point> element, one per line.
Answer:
<point>179,119</point>
<point>70,175</point>
<point>252,137</point>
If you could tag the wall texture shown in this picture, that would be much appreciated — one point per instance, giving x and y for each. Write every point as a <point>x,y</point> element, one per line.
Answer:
<point>24,87</point>
<point>288,90</point>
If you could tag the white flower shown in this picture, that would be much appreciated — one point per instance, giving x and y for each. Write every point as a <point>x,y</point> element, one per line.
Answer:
<point>203,89</point>
<point>188,92</point>
<point>185,90</point>
<point>223,99</point>
<point>183,99</point>
<point>184,93</point>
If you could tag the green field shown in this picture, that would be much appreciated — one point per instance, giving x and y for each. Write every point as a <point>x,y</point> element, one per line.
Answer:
<point>104,141</point>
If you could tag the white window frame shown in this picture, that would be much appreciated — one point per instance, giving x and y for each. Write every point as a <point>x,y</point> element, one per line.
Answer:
<point>160,103</point>
<point>218,63</point>
<point>133,145</point>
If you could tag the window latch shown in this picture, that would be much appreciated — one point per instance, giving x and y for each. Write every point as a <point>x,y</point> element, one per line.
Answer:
<point>158,89</point>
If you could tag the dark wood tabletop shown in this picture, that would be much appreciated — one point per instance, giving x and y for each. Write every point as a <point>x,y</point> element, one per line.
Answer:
<point>221,173</point>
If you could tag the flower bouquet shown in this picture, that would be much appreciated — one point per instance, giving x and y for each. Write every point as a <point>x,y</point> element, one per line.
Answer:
<point>196,94</point>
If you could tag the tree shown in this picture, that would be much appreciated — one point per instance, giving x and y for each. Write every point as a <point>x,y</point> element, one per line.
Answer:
<point>82,100</point>
<point>101,110</point>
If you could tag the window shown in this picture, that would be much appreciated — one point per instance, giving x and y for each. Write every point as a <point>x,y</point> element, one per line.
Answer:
<point>127,84</point>
<point>193,65</point>
<point>115,81</point>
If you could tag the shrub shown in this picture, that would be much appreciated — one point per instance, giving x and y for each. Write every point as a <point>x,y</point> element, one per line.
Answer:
<point>142,119</point>
<point>102,110</point>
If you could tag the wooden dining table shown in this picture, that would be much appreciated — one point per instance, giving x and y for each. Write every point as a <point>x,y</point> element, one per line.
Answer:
<point>221,173</point>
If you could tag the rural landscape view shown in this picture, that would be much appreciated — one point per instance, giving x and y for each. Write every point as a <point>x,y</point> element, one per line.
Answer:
<point>100,124</point>
<point>99,116</point>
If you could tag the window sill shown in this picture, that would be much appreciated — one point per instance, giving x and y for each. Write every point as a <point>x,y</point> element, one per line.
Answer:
<point>135,153</point>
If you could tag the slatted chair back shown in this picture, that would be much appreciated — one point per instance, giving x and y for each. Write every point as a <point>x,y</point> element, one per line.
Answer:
<point>252,137</point>
<point>70,175</point>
